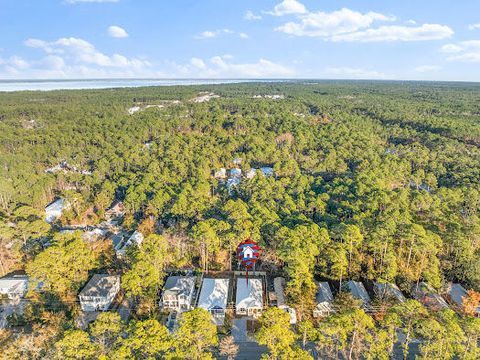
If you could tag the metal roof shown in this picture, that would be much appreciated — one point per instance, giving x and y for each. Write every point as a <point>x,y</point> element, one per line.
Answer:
<point>214,294</point>
<point>100,285</point>
<point>251,295</point>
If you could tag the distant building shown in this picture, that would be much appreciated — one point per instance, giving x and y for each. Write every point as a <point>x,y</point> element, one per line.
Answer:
<point>99,292</point>
<point>429,297</point>
<point>250,174</point>
<point>135,238</point>
<point>456,293</point>
<point>220,173</point>
<point>235,173</point>
<point>178,293</point>
<point>213,298</point>
<point>249,297</point>
<point>267,171</point>
<point>324,300</point>
<point>14,287</point>
<point>388,291</point>
<point>359,292</point>
<point>54,210</point>
<point>232,183</point>
<point>279,285</point>
<point>117,210</point>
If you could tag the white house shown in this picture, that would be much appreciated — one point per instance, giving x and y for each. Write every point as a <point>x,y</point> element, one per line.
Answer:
<point>213,298</point>
<point>250,174</point>
<point>178,293</point>
<point>99,292</point>
<point>387,290</point>
<point>220,173</point>
<point>54,210</point>
<point>324,300</point>
<point>249,297</point>
<point>135,238</point>
<point>14,287</point>
<point>248,252</point>
<point>278,286</point>
<point>359,292</point>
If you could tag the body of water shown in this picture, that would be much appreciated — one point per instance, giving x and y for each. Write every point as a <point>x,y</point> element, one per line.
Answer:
<point>20,85</point>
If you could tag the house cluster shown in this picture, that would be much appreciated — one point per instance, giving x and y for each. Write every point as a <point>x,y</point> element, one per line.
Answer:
<point>424,293</point>
<point>233,177</point>
<point>180,294</point>
<point>271,97</point>
<point>66,167</point>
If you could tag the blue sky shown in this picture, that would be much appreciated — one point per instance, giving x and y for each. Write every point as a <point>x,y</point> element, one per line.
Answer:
<point>352,39</point>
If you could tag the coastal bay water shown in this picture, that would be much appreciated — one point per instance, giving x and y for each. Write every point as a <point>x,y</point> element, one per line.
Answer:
<point>22,85</point>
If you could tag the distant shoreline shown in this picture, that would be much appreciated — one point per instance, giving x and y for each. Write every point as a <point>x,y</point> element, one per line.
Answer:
<point>12,85</point>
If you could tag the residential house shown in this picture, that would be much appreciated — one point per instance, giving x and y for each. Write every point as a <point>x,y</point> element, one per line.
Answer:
<point>121,247</point>
<point>267,171</point>
<point>99,292</point>
<point>429,297</point>
<point>54,210</point>
<point>213,298</point>
<point>456,293</point>
<point>324,300</point>
<point>14,287</point>
<point>117,210</point>
<point>359,292</point>
<point>178,293</point>
<point>249,297</point>
<point>220,173</point>
<point>388,291</point>
<point>279,285</point>
<point>250,174</point>
<point>235,173</point>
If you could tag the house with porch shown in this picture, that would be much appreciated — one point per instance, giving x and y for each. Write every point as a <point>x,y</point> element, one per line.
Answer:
<point>249,297</point>
<point>178,293</point>
<point>213,298</point>
<point>99,292</point>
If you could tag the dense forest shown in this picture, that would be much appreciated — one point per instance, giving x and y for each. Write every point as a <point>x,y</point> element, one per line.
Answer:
<point>373,181</point>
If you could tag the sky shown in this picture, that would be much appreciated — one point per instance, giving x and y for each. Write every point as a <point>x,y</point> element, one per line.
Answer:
<point>316,39</point>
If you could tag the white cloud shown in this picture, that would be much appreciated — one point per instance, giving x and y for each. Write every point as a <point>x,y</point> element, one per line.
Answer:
<point>117,32</point>
<point>90,1</point>
<point>249,15</point>
<point>74,58</point>
<point>354,26</point>
<point>474,26</point>
<point>356,73</point>
<point>81,51</point>
<point>398,33</point>
<point>210,34</point>
<point>464,51</point>
<point>411,22</point>
<point>287,7</point>
<point>322,24</point>
<point>427,68</point>
<point>225,67</point>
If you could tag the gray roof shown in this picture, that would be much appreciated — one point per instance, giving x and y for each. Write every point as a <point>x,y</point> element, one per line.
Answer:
<point>324,294</point>
<point>180,285</point>
<point>100,285</point>
<point>358,291</point>
<point>388,290</point>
